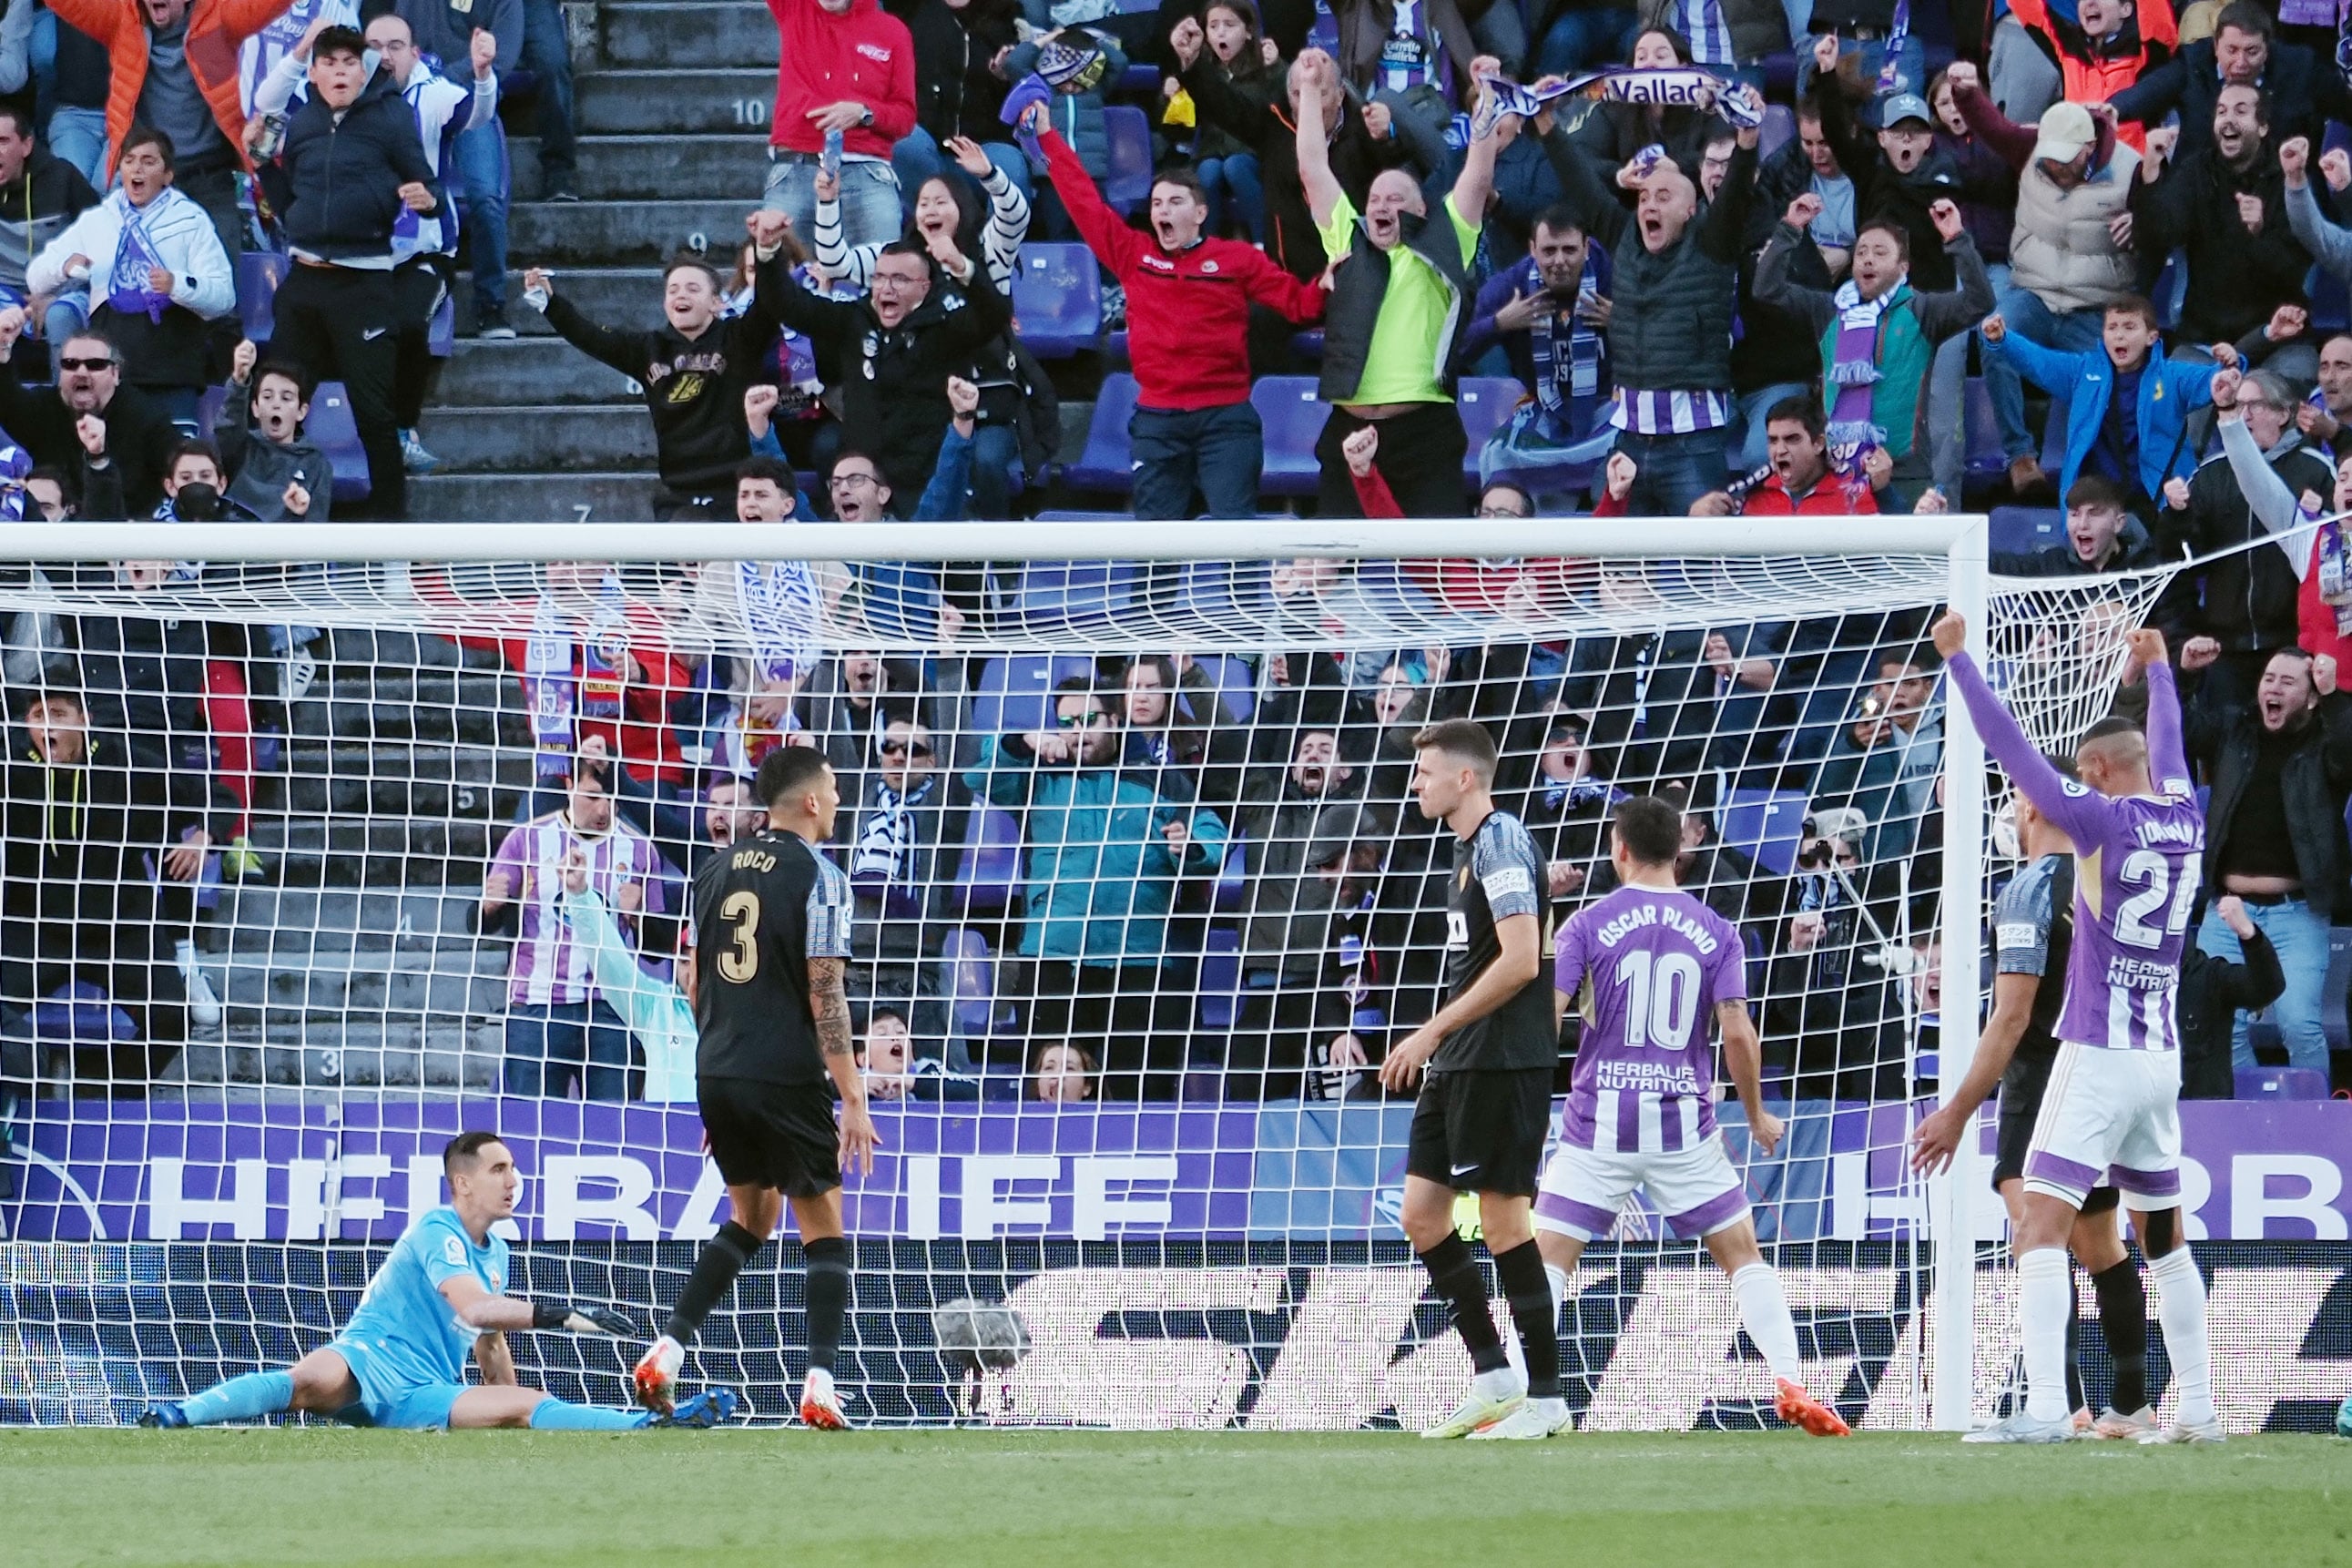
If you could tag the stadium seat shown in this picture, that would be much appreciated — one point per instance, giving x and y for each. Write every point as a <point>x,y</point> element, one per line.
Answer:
<point>2054,437</point>
<point>1128,134</point>
<point>1232,880</point>
<point>1985,457</point>
<point>1779,129</point>
<point>331,429</point>
<point>1766,825</point>
<point>441,331</point>
<point>2166,294</point>
<point>971,982</point>
<point>258,274</point>
<point>1050,515</point>
<point>79,1012</point>
<point>1236,682</point>
<point>1220,979</point>
<point>990,868</point>
<point>1104,465</point>
<point>1486,403</point>
<point>1057,295</point>
<point>2021,530</point>
<point>2282,1083</point>
<point>1293,414</point>
<point>1014,693</point>
<point>1065,590</point>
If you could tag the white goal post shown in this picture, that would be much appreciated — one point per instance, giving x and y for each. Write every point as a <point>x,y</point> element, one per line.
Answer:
<point>1596,615</point>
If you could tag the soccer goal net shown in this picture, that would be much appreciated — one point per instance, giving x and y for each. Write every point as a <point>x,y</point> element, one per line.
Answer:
<point>311,865</point>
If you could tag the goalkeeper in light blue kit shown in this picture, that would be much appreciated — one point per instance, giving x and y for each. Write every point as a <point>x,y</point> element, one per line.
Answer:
<point>401,1362</point>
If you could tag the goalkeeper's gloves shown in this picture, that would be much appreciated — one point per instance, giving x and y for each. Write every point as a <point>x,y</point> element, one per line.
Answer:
<point>579,1319</point>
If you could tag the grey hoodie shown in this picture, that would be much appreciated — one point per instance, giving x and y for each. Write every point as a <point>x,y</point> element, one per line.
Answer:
<point>259,469</point>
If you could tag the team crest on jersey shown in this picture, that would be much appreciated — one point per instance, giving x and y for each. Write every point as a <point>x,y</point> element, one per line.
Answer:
<point>454,1250</point>
<point>2075,787</point>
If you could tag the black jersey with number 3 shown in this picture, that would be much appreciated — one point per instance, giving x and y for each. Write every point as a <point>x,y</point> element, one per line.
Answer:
<point>762,911</point>
<point>1497,875</point>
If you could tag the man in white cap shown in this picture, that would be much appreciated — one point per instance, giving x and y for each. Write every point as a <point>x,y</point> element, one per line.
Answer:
<point>2070,253</point>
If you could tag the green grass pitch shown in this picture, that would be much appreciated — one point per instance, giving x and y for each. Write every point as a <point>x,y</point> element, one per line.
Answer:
<point>1230,1500</point>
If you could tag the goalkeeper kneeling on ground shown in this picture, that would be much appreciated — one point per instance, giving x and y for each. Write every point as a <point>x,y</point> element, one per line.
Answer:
<point>401,1362</point>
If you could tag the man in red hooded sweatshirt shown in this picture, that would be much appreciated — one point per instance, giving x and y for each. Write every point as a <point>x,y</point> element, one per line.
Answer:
<point>846,66</point>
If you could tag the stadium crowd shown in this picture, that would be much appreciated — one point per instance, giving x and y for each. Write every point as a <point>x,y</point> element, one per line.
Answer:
<point>2091,272</point>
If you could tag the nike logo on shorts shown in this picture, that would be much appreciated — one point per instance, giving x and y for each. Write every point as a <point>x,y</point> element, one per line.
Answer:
<point>1464,1170</point>
<point>373,334</point>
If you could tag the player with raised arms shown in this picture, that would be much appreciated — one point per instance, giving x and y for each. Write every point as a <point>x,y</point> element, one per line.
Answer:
<point>440,1296</point>
<point>2112,1106</point>
<point>1649,965</point>
<point>2034,933</point>
<point>772,1020</point>
<point>1489,1052</point>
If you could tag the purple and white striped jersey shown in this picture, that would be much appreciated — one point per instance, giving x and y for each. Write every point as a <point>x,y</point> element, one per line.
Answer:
<point>552,966</point>
<point>2138,863</point>
<point>1647,968</point>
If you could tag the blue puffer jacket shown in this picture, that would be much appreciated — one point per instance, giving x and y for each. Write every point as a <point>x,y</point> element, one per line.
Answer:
<point>1101,875</point>
<point>2168,394</point>
<point>345,177</point>
<point>1078,116</point>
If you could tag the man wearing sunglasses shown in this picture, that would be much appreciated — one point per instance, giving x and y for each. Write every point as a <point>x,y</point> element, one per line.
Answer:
<point>126,428</point>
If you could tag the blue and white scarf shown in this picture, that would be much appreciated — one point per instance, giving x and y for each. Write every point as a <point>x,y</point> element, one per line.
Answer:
<point>127,288</point>
<point>784,613</point>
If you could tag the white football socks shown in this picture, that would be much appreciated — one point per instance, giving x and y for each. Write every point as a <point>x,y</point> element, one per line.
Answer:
<point>2181,1307</point>
<point>2042,1290</point>
<point>1764,1314</point>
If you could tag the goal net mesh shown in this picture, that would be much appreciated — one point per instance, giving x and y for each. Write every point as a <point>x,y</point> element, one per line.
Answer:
<point>1143,896</point>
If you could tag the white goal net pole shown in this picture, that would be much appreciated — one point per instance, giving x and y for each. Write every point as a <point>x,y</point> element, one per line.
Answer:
<point>1953,1196</point>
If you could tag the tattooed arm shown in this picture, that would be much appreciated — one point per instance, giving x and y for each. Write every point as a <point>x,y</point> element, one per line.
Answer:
<point>830,1004</point>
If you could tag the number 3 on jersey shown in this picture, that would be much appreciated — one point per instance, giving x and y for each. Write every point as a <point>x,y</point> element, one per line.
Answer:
<point>1661,999</point>
<point>2153,873</point>
<point>740,962</point>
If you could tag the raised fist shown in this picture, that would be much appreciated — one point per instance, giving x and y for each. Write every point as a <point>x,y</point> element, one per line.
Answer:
<point>1993,328</point>
<point>760,400</point>
<point>2225,387</point>
<point>483,51</point>
<point>1618,475</point>
<point>1963,73</point>
<point>1360,449</point>
<point>2175,494</point>
<point>2286,323</point>
<point>12,326</point>
<point>241,363</point>
<point>1186,40</point>
<point>2250,211</point>
<point>963,397</point>
<point>1379,121</point>
<point>2199,652</point>
<point>2294,154</point>
<point>2323,674</point>
<point>1825,54</point>
<point>297,498</point>
<point>90,431</point>
<point>1946,217</point>
<point>1803,212</point>
<point>2335,168</point>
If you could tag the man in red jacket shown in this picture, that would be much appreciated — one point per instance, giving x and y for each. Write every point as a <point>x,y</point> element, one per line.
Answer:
<point>1801,481</point>
<point>1188,302</point>
<point>845,66</point>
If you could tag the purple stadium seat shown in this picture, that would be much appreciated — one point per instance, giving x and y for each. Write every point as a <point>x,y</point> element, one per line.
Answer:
<point>1236,682</point>
<point>1128,135</point>
<point>2053,438</point>
<point>1765,825</point>
<point>1293,416</point>
<point>1780,128</point>
<point>1014,693</point>
<point>991,864</point>
<point>971,982</point>
<point>2021,530</point>
<point>1105,464</point>
<point>1064,590</point>
<point>1057,295</point>
<point>258,274</point>
<point>80,1014</point>
<point>441,331</point>
<point>2282,1083</point>
<point>1226,896</point>
<point>332,430</point>
<point>1486,403</point>
<point>1985,457</point>
<point>1221,978</point>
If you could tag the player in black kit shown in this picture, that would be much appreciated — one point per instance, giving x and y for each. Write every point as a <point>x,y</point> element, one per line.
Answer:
<point>1489,1053</point>
<point>771,946</point>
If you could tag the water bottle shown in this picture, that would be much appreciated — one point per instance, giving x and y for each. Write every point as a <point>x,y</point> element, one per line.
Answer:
<point>538,297</point>
<point>828,163</point>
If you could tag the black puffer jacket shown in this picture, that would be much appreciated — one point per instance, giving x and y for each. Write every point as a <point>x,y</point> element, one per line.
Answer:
<point>2250,598</point>
<point>894,380</point>
<point>1672,328</point>
<point>341,179</point>
<point>2315,778</point>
